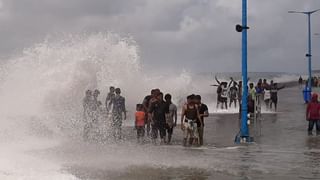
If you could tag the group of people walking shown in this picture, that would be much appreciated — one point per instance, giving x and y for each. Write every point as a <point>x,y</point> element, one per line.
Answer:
<point>156,116</point>
<point>315,81</point>
<point>94,112</point>
<point>264,91</point>
<point>225,91</point>
<point>159,117</point>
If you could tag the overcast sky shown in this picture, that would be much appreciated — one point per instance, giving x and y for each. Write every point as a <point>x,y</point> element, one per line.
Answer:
<point>197,35</point>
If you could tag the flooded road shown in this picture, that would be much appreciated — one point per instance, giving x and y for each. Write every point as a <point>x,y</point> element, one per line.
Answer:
<point>283,151</point>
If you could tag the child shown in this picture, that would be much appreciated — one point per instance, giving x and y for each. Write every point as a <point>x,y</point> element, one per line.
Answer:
<point>139,122</point>
<point>313,115</point>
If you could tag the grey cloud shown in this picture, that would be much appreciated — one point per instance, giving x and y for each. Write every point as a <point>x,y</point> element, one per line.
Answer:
<point>196,35</point>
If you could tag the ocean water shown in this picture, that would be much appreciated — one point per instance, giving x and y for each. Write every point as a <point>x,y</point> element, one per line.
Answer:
<point>41,91</point>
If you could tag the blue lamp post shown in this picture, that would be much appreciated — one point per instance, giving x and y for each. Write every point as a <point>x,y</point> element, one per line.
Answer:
<point>308,90</point>
<point>244,136</point>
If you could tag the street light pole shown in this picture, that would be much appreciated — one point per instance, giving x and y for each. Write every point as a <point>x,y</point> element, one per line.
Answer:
<point>244,135</point>
<point>309,55</point>
<point>244,132</point>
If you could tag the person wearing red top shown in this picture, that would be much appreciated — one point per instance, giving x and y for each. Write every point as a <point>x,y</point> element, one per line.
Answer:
<point>313,114</point>
<point>140,122</point>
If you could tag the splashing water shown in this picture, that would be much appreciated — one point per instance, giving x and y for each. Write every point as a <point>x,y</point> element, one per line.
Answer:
<point>47,82</point>
<point>41,90</point>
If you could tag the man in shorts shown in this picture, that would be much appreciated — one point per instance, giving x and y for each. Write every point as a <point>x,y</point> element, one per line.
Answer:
<point>189,116</point>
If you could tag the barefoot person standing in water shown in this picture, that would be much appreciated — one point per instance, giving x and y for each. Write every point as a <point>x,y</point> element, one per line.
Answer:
<point>203,112</point>
<point>146,106</point>
<point>118,108</point>
<point>233,92</point>
<point>171,116</point>
<point>109,98</point>
<point>140,116</point>
<point>274,94</point>
<point>87,103</point>
<point>313,114</point>
<point>189,116</point>
<point>222,94</point>
<point>158,113</point>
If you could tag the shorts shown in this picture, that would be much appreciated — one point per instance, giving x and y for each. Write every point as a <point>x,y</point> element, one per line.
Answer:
<point>190,127</point>
<point>140,131</point>
<point>233,99</point>
<point>223,99</point>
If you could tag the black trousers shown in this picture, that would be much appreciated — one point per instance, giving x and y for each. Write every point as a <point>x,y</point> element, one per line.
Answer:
<point>158,128</point>
<point>311,125</point>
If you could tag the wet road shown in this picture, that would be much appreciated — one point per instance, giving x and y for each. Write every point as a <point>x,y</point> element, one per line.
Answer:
<point>283,151</point>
